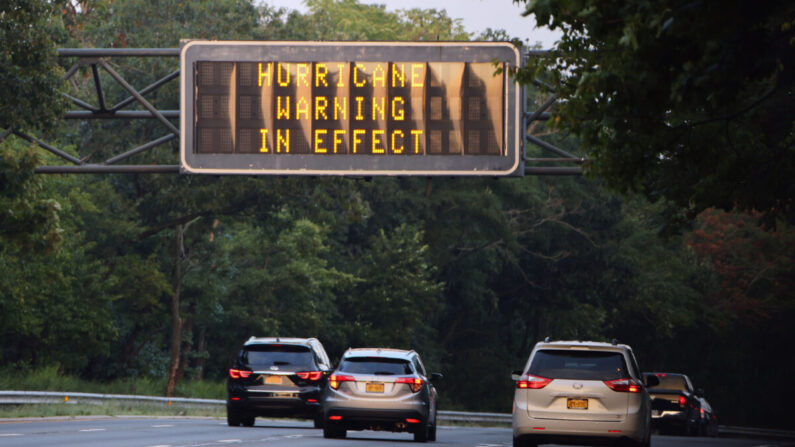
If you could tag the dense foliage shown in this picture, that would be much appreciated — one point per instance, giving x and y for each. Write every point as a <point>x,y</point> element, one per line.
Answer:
<point>687,100</point>
<point>164,276</point>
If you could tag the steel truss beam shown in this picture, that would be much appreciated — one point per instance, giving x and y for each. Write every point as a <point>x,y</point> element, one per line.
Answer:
<point>96,58</point>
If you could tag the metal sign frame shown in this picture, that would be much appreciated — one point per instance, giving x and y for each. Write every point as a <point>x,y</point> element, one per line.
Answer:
<point>507,164</point>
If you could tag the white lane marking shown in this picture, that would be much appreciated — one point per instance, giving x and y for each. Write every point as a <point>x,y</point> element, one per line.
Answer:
<point>160,445</point>
<point>92,429</point>
<point>164,425</point>
<point>293,436</point>
<point>229,441</point>
<point>10,434</point>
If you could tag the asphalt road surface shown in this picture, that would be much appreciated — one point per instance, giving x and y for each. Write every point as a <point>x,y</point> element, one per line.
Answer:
<point>208,432</point>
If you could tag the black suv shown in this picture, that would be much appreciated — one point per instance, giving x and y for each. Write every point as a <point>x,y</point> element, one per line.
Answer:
<point>676,404</point>
<point>279,377</point>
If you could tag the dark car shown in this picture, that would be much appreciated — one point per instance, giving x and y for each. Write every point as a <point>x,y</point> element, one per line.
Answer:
<point>381,389</point>
<point>679,407</point>
<point>277,377</point>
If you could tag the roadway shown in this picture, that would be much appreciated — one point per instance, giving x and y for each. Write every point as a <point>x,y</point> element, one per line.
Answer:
<point>212,432</point>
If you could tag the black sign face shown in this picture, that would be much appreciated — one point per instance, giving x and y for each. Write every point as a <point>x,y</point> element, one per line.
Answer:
<point>352,108</point>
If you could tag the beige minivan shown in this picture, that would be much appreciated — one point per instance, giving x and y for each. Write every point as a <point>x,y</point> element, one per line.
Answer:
<point>581,392</point>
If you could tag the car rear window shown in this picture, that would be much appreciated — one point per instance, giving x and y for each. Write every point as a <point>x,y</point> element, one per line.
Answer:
<point>291,357</point>
<point>578,365</point>
<point>375,365</point>
<point>668,382</point>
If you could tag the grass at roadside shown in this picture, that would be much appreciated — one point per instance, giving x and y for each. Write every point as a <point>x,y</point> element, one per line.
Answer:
<point>108,409</point>
<point>49,379</point>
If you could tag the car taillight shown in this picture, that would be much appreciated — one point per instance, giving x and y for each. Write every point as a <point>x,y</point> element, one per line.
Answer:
<point>625,385</point>
<point>239,373</point>
<point>312,376</point>
<point>335,380</point>
<point>531,382</point>
<point>415,383</point>
<point>682,401</point>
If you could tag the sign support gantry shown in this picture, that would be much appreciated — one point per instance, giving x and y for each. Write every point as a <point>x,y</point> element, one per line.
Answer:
<point>97,60</point>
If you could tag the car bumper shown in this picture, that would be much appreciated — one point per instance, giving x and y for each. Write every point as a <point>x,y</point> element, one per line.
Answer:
<point>276,404</point>
<point>545,431</point>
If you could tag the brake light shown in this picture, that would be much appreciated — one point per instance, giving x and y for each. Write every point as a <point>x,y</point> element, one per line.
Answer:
<point>661,374</point>
<point>415,383</point>
<point>312,376</point>
<point>531,382</point>
<point>335,380</point>
<point>682,401</point>
<point>625,385</point>
<point>412,421</point>
<point>239,374</point>
<point>335,418</point>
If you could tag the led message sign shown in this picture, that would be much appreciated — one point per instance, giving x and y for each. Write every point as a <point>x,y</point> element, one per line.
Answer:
<point>350,108</point>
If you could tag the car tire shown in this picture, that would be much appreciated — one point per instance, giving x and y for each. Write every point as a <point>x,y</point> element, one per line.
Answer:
<point>334,432</point>
<point>432,433</point>
<point>421,435</point>
<point>519,442</point>
<point>319,420</point>
<point>233,418</point>
<point>248,421</point>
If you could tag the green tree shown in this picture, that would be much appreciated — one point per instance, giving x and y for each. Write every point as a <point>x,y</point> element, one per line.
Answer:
<point>676,99</point>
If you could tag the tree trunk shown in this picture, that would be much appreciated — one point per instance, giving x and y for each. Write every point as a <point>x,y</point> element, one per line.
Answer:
<point>176,320</point>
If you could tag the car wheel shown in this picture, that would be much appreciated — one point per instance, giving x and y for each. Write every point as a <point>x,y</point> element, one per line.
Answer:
<point>248,421</point>
<point>519,442</point>
<point>233,418</point>
<point>319,420</point>
<point>334,432</point>
<point>432,433</point>
<point>421,435</point>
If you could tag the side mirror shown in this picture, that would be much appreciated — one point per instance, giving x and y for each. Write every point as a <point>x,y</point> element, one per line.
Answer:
<point>699,392</point>
<point>436,378</point>
<point>516,375</point>
<point>652,381</point>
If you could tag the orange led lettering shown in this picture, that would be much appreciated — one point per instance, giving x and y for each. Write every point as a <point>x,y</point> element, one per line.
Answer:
<point>359,100</point>
<point>379,108</point>
<point>340,67</point>
<point>381,77</point>
<point>264,74</point>
<point>302,106</point>
<point>301,73</point>
<point>397,150</point>
<point>399,115</point>
<point>401,75</point>
<point>286,81</point>
<point>356,139</point>
<point>341,107</point>
<point>416,76</point>
<point>320,74</point>
<point>318,140</point>
<point>337,141</point>
<point>285,140</point>
<point>320,107</point>
<point>376,149</point>
<point>264,147</point>
<point>282,112</point>
<point>355,72</point>
<point>416,133</point>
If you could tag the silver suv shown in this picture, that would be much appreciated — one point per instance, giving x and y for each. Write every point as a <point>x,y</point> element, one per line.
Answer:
<point>574,392</point>
<point>380,389</point>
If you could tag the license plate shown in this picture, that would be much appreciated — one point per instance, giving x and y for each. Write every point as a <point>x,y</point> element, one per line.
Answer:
<point>577,404</point>
<point>273,380</point>
<point>374,387</point>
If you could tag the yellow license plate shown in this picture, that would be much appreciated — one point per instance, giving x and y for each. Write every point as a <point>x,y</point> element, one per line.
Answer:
<point>577,404</point>
<point>374,387</point>
<point>273,380</point>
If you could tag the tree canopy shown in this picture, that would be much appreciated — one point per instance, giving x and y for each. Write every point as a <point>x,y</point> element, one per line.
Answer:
<point>691,101</point>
